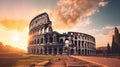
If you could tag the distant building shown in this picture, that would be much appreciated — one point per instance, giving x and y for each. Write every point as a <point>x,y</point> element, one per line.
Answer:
<point>116,42</point>
<point>43,40</point>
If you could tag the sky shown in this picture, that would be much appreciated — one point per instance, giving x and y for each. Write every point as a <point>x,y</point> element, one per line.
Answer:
<point>95,17</point>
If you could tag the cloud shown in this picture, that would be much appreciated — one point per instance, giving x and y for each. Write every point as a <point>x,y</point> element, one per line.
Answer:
<point>109,27</point>
<point>103,3</point>
<point>11,24</point>
<point>104,35</point>
<point>71,12</point>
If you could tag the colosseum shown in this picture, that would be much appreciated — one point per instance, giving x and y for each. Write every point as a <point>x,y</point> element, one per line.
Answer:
<point>43,40</point>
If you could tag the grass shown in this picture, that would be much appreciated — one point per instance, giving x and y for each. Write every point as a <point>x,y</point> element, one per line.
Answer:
<point>28,59</point>
<point>16,60</point>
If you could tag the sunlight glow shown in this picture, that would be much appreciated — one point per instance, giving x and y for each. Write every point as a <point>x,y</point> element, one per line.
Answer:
<point>15,38</point>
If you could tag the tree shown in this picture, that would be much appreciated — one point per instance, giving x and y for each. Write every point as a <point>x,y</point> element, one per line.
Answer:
<point>108,49</point>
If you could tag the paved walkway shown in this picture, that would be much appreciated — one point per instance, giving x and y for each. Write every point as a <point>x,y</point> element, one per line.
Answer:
<point>106,62</point>
<point>68,61</point>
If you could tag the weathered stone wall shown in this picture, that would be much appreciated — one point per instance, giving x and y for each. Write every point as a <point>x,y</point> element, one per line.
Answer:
<point>43,40</point>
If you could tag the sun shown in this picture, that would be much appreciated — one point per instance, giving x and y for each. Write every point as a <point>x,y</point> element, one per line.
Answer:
<point>15,38</point>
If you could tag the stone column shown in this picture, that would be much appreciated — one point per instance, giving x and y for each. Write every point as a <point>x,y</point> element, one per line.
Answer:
<point>80,47</point>
<point>47,50</point>
<point>63,51</point>
<point>48,39</point>
<point>84,48</point>
<point>39,50</point>
<point>43,50</point>
<point>43,39</point>
<point>40,30</point>
<point>53,39</point>
<point>52,50</point>
<point>57,51</point>
<point>74,51</point>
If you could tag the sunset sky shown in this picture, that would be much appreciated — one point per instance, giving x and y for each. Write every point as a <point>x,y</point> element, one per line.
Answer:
<point>94,17</point>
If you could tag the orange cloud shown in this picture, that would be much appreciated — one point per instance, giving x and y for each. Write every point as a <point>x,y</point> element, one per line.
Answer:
<point>12,24</point>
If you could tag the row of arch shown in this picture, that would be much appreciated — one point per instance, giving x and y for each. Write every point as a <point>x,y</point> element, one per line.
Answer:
<point>40,30</point>
<point>61,51</point>
<point>46,39</point>
<point>39,21</point>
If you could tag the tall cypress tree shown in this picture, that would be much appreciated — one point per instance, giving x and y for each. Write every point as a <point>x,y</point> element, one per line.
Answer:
<point>113,45</point>
<point>116,42</point>
<point>108,48</point>
<point>117,37</point>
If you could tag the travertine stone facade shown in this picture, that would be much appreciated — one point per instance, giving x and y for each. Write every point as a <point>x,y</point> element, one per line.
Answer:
<point>43,40</point>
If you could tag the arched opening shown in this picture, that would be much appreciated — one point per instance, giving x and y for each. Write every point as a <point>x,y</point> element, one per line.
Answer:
<point>37,51</point>
<point>46,39</point>
<point>37,41</point>
<point>57,38</point>
<point>34,51</point>
<point>41,40</point>
<point>75,37</point>
<point>82,52</point>
<point>79,51</point>
<point>72,41</point>
<point>41,51</point>
<point>50,51</point>
<point>45,50</point>
<point>60,51</point>
<point>61,41</point>
<point>75,42</point>
<point>55,51</point>
<point>71,51</point>
<point>85,51</point>
<point>51,39</point>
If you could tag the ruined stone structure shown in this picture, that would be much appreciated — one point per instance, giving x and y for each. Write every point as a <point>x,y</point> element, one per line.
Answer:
<point>43,40</point>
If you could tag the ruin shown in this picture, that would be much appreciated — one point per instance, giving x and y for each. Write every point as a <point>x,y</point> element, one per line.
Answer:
<point>43,40</point>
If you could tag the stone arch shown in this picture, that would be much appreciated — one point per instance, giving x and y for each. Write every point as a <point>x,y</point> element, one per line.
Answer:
<point>61,41</point>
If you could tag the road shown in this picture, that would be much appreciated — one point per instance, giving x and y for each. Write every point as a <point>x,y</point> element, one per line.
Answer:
<point>106,62</point>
